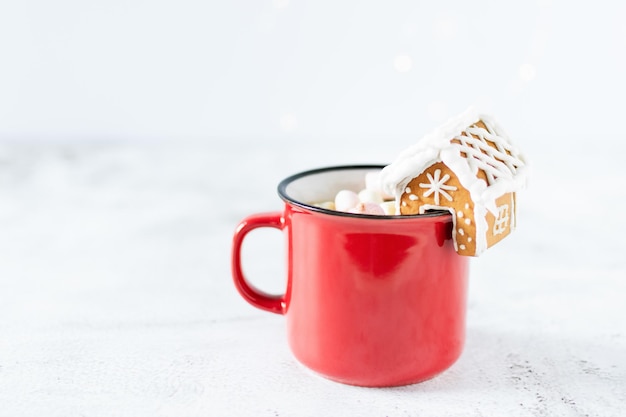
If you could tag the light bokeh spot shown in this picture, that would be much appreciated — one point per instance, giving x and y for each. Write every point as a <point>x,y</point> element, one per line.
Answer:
<point>280,4</point>
<point>402,63</point>
<point>288,122</point>
<point>445,28</point>
<point>527,72</point>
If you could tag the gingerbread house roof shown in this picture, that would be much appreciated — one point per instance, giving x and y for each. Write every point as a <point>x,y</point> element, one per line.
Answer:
<point>465,148</point>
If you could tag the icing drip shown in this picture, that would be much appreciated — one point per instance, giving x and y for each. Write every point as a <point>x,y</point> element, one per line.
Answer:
<point>496,162</point>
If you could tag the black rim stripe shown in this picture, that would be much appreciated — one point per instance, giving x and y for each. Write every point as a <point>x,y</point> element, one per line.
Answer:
<point>282,186</point>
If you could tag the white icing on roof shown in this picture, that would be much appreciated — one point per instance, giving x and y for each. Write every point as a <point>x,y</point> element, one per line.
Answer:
<point>504,165</point>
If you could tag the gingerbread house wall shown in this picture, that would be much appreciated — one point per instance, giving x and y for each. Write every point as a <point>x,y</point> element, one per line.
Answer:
<point>475,228</point>
<point>415,201</point>
<point>500,225</point>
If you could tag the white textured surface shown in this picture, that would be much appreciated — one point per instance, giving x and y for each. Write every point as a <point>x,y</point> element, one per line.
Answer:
<point>116,297</point>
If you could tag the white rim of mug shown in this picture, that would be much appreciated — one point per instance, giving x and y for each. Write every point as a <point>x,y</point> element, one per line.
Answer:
<point>282,186</point>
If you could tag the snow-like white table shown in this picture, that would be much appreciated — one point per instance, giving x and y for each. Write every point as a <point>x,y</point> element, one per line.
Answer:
<point>116,297</point>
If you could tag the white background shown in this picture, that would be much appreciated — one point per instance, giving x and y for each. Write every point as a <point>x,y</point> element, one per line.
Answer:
<point>309,70</point>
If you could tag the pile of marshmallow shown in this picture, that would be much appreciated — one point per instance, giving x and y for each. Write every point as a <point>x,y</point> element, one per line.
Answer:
<point>370,200</point>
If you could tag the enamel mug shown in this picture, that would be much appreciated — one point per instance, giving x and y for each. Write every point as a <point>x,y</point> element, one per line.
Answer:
<point>370,300</point>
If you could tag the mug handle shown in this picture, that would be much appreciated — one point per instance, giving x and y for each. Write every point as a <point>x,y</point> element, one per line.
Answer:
<point>254,296</point>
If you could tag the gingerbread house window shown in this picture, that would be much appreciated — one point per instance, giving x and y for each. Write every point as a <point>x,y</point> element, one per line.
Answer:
<point>502,221</point>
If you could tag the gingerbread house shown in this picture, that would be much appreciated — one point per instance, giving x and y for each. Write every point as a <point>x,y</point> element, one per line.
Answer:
<point>469,167</point>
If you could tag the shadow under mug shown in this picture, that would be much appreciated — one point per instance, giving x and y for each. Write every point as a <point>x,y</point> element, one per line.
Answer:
<point>370,300</point>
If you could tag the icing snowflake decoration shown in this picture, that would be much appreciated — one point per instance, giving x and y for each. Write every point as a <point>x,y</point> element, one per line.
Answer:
<point>438,186</point>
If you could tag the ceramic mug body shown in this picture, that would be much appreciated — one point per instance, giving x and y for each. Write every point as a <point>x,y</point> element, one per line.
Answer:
<point>370,300</point>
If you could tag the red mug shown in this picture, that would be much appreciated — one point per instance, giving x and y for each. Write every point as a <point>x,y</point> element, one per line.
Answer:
<point>370,300</point>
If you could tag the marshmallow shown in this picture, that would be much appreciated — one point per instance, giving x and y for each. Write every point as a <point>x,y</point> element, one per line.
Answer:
<point>373,182</point>
<point>368,208</point>
<point>346,200</point>
<point>389,207</point>
<point>328,205</point>
<point>370,196</point>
